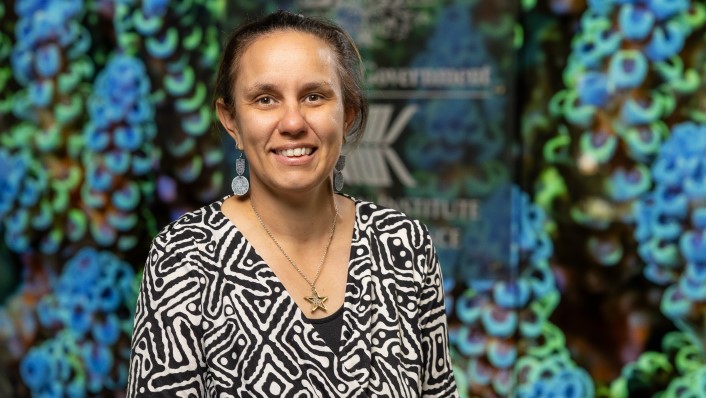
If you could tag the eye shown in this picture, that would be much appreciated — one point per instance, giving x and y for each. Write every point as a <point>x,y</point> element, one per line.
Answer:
<point>313,97</point>
<point>264,101</point>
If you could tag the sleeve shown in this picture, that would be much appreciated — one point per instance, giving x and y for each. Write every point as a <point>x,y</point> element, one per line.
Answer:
<point>438,378</point>
<point>167,356</point>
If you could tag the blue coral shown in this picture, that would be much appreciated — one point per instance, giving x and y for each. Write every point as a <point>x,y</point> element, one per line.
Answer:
<point>553,377</point>
<point>90,307</point>
<point>46,32</point>
<point>77,165</point>
<point>121,94</point>
<point>11,181</point>
<point>23,204</point>
<point>50,47</point>
<point>160,30</point>
<point>624,75</point>
<point>36,369</point>
<point>670,225</point>
<point>120,150</point>
<point>93,285</point>
<point>49,369</point>
<point>505,319</point>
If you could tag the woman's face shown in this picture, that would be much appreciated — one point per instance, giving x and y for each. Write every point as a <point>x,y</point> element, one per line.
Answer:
<point>289,115</point>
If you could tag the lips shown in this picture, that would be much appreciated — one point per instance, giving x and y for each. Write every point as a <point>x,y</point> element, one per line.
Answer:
<point>295,152</point>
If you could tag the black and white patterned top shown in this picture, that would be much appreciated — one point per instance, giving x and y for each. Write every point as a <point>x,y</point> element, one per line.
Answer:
<point>213,320</point>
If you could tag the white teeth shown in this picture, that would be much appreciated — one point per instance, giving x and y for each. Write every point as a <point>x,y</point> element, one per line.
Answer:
<point>296,152</point>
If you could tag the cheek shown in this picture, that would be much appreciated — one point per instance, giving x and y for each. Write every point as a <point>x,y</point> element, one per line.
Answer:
<point>338,119</point>
<point>336,127</point>
<point>253,128</point>
<point>328,123</point>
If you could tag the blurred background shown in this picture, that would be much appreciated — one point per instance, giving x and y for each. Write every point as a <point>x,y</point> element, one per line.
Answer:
<point>555,148</point>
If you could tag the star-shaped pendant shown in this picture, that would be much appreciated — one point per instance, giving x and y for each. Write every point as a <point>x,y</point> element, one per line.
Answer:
<point>316,300</point>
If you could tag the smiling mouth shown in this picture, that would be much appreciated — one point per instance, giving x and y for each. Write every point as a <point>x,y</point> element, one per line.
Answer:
<point>295,152</point>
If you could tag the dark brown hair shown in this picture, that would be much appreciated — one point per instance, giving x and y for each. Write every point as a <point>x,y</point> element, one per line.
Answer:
<point>349,62</point>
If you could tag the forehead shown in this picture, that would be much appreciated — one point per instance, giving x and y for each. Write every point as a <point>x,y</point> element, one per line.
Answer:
<point>289,36</point>
<point>282,53</point>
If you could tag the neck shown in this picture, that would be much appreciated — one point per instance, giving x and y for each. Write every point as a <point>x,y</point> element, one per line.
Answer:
<point>298,217</point>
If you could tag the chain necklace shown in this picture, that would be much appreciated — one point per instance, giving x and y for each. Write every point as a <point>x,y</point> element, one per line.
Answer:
<point>315,300</point>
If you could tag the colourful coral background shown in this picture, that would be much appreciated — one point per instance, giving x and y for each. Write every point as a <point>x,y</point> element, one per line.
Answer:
<point>583,275</point>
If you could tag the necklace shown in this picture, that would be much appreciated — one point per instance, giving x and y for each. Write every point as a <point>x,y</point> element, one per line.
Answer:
<point>316,301</point>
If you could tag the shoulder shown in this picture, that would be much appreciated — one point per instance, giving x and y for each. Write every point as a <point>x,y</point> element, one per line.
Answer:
<point>380,215</point>
<point>192,226</point>
<point>378,219</point>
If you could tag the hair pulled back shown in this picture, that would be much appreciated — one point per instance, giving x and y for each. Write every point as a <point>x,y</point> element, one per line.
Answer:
<point>349,62</point>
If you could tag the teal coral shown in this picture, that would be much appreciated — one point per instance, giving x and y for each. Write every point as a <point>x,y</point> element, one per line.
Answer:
<point>670,227</point>
<point>623,79</point>
<point>504,335</point>
<point>83,142</point>
<point>48,45</point>
<point>675,372</point>
<point>181,45</point>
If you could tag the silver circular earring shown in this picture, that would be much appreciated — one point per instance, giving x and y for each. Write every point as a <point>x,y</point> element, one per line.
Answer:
<point>240,184</point>
<point>338,173</point>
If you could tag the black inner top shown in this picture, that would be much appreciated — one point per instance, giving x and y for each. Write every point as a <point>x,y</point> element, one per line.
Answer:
<point>330,329</point>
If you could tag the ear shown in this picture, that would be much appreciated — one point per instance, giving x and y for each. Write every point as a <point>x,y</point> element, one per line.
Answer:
<point>348,119</point>
<point>227,118</point>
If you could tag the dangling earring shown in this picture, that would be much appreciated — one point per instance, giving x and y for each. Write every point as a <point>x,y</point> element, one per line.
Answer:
<point>240,184</point>
<point>338,173</point>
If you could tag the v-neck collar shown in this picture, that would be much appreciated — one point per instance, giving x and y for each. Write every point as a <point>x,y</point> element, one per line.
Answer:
<point>354,359</point>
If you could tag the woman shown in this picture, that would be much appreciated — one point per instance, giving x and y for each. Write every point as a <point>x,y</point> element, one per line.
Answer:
<point>286,288</point>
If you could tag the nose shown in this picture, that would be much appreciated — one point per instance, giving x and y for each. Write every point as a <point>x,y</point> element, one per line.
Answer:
<point>292,121</point>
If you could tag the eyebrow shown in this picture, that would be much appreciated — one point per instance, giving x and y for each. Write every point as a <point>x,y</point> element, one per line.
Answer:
<point>258,88</point>
<point>320,85</point>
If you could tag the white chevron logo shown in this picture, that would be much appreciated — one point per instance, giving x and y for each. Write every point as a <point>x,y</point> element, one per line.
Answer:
<point>368,164</point>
